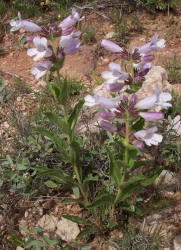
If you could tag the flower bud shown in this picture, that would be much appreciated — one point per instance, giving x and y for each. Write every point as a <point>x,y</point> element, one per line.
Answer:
<point>106,115</point>
<point>108,126</point>
<point>114,87</point>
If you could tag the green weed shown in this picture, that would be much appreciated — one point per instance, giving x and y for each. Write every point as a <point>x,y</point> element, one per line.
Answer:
<point>173,67</point>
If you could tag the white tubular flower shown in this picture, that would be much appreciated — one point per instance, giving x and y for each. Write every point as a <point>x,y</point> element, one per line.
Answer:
<point>41,69</point>
<point>157,99</point>
<point>114,74</point>
<point>41,49</point>
<point>149,137</point>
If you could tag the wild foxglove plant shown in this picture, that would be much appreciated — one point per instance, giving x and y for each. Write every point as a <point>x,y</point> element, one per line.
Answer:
<point>50,57</point>
<point>124,117</point>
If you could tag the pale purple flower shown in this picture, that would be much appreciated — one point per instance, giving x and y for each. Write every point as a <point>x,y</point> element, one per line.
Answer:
<point>114,87</point>
<point>152,116</point>
<point>138,144</point>
<point>41,49</point>
<point>23,24</point>
<point>41,68</point>
<point>106,115</point>
<point>148,58</point>
<point>109,45</point>
<point>114,74</point>
<point>108,126</point>
<point>70,44</point>
<point>29,39</point>
<point>157,99</point>
<point>149,137</point>
<point>70,21</point>
<point>151,46</point>
<point>96,100</point>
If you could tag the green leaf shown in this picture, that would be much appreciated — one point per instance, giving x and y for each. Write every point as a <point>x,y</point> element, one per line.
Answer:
<point>75,113</point>
<point>25,229</point>
<point>61,124</point>
<point>50,184</point>
<point>86,247</point>
<point>129,190</point>
<point>76,191</point>
<point>55,174</point>
<point>115,168</point>
<point>134,88</point>
<point>34,243</point>
<point>106,199</point>
<point>49,241</point>
<point>86,232</point>
<point>1,183</point>
<point>57,140</point>
<point>77,220</point>
<point>69,200</point>
<point>139,124</point>
<point>58,65</point>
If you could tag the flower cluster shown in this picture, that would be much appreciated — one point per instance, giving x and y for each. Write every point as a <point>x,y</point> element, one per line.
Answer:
<point>50,54</point>
<point>140,59</point>
<point>123,109</point>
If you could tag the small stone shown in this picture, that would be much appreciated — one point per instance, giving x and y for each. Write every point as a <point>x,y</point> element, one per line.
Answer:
<point>110,35</point>
<point>26,214</point>
<point>176,125</point>
<point>166,178</point>
<point>20,248</point>
<point>67,230</point>
<point>1,219</point>
<point>177,242</point>
<point>48,222</point>
<point>18,99</point>
<point>6,125</point>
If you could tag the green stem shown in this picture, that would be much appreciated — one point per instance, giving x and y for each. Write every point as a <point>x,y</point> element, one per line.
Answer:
<point>53,45</point>
<point>125,155</point>
<point>132,69</point>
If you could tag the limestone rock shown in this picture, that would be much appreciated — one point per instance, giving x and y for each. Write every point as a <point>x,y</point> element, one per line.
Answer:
<point>177,242</point>
<point>176,125</point>
<point>67,230</point>
<point>166,178</point>
<point>156,76</point>
<point>20,248</point>
<point>48,222</point>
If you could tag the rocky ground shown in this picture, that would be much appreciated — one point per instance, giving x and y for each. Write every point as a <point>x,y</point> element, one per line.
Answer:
<point>87,66</point>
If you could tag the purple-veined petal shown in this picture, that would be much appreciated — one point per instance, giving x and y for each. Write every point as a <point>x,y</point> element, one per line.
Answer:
<point>73,46</point>
<point>114,87</point>
<point>147,103</point>
<point>30,26</point>
<point>108,126</point>
<point>152,116</point>
<point>106,115</point>
<point>148,58</point>
<point>109,45</point>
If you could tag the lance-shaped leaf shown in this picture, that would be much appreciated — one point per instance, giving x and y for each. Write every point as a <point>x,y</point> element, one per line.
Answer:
<point>106,199</point>
<point>115,168</point>
<point>61,124</point>
<point>56,174</point>
<point>78,220</point>
<point>57,140</point>
<point>74,116</point>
